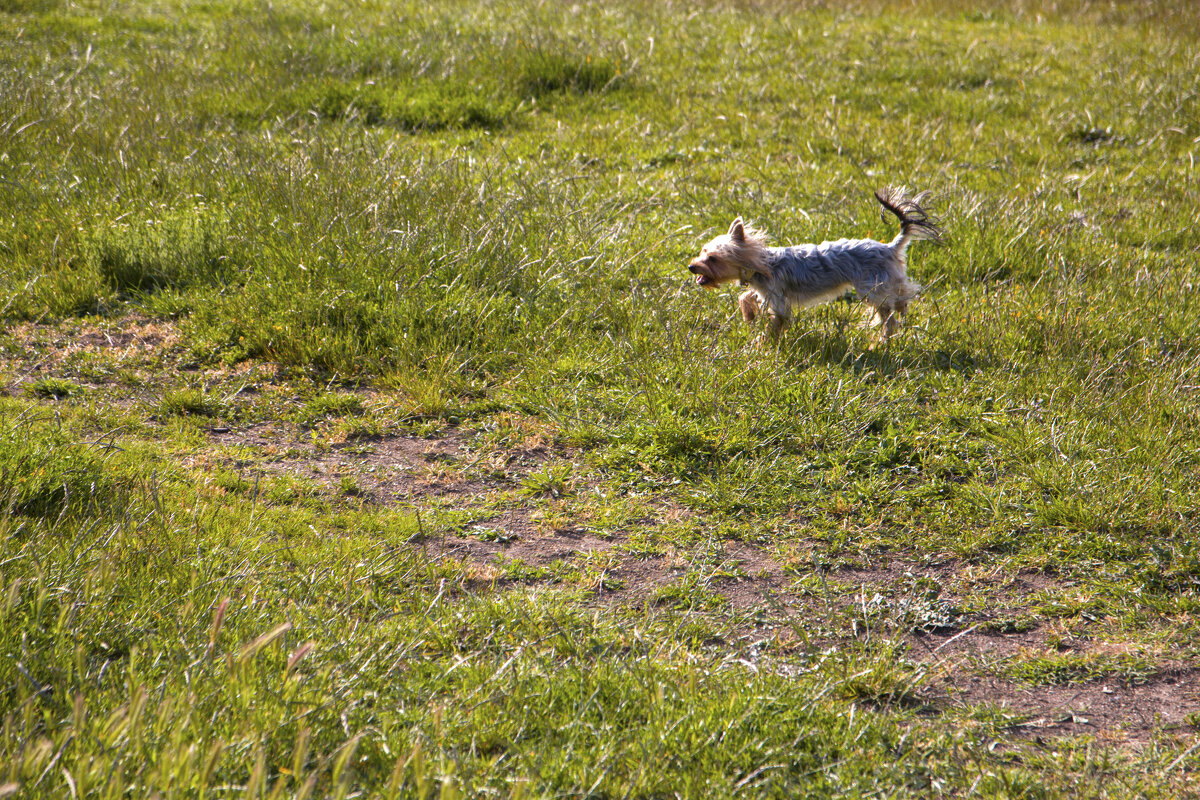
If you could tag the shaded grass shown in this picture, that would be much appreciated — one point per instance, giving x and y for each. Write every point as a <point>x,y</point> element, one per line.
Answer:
<point>414,104</point>
<point>427,108</point>
<point>183,248</point>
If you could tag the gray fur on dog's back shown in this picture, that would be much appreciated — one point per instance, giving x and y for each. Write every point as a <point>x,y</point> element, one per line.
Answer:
<point>810,274</point>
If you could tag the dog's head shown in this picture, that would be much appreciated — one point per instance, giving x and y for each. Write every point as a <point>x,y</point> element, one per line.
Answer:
<point>734,256</point>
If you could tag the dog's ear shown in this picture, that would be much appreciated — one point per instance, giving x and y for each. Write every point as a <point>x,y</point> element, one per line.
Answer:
<point>737,231</point>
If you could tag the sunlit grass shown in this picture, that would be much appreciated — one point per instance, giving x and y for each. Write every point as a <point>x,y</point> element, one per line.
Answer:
<point>382,221</point>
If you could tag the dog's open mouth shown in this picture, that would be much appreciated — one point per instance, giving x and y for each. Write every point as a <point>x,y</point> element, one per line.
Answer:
<point>703,280</point>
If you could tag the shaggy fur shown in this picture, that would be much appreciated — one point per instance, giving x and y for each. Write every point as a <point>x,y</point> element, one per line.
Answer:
<point>804,275</point>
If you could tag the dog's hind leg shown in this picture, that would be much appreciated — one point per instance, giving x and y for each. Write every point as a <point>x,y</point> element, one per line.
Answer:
<point>886,317</point>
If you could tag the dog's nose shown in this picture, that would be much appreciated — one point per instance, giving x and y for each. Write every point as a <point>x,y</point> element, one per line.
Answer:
<point>692,268</point>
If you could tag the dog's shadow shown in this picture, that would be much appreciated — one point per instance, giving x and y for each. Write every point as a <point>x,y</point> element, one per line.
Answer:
<point>861,351</point>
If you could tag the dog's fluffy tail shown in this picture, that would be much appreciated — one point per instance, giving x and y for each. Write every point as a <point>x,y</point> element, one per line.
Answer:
<point>915,222</point>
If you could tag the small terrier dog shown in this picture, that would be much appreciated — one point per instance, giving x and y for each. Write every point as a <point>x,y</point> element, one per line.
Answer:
<point>806,275</point>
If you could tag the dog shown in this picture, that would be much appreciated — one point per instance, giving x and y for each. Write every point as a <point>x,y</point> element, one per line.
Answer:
<point>806,275</point>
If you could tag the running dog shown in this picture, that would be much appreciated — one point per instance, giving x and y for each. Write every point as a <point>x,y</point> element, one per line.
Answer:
<point>805,275</point>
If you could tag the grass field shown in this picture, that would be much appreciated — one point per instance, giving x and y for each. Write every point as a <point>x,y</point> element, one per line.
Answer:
<point>364,434</point>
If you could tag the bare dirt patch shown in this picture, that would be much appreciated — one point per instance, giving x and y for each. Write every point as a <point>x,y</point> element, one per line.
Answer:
<point>388,469</point>
<point>132,341</point>
<point>1114,709</point>
<point>513,534</point>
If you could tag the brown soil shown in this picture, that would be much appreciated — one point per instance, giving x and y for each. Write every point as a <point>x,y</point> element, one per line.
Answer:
<point>130,341</point>
<point>1113,709</point>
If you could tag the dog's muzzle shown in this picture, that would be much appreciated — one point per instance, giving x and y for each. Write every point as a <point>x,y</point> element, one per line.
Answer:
<point>701,278</point>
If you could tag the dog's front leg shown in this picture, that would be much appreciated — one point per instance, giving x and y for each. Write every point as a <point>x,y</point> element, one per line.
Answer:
<point>779,324</point>
<point>750,305</point>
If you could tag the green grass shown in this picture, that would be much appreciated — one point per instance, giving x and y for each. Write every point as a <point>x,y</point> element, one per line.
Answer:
<point>322,230</point>
<point>1072,669</point>
<point>193,402</point>
<point>56,388</point>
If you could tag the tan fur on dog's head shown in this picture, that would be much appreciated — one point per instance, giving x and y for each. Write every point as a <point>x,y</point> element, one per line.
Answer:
<point>735,256</point>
